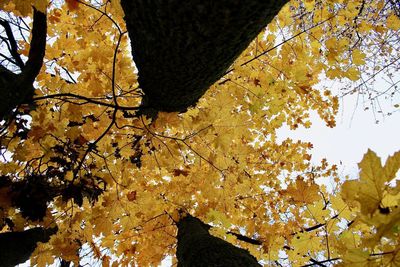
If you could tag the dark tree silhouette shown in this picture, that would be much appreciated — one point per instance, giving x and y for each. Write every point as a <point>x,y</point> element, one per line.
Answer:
<point>182,47</point>
<point>17,247</point>
<point>17,89</point>
<point>196,247</point>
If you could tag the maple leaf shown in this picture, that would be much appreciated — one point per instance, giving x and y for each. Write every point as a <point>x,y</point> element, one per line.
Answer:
<point>43,256</point>
<point>358,57</point>
<point>356,256</point>
<point>303,192</point>
<point>368,191</point>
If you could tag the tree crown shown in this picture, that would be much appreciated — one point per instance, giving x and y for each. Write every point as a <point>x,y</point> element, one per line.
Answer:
<point>80,153</point>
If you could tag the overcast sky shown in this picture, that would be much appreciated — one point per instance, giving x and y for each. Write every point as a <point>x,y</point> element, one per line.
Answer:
<point>356,131</point>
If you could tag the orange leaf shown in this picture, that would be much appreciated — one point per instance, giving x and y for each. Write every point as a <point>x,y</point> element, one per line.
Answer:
<point>72,4</point>
<point>303,192</point>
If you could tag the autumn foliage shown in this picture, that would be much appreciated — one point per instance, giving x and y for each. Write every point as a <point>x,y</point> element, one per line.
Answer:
<point>116,183</point>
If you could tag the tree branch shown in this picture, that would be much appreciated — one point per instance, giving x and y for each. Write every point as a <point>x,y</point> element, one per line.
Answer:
<point>17,89</point>
<point>85,98</point>
<point>17,247</point>
<point>13,44</point>
<point>320,263</point>
<point>37,47</point>
<point>246,238</point>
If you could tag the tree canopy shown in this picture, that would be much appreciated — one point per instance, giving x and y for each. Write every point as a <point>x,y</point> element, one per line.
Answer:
<point>85,164</point>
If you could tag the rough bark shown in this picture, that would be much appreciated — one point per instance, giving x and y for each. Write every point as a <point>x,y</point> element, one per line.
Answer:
<point>182,47</point>
<point>17,89</point>
<point>197,248</point>
<point>17,247</point>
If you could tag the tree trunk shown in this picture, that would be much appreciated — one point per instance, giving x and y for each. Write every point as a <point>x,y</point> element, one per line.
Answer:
<point>196,247</point>
<point>17,89</point>
<point>17,247</point>
<point>182,47</point>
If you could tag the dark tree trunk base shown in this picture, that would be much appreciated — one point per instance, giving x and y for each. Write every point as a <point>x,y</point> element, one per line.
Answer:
<point>197,248</point>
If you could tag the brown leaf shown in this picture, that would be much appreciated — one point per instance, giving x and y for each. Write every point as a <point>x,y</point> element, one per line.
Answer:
<point>72,4</point>
<point>131,195</point>
<point>178,172</point>
<point>80,140</point>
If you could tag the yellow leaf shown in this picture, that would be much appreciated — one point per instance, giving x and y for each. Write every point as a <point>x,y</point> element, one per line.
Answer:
<point>333,73</point>
<point>353,74</point>
<point>390,200</point>
<point>341,207</point>
<point>303,192</point>
<point>318,212</point>
<point>218,217</point>
<point>356,257</point>
<point>392,166</point>
<point>42,255</point>
<point>393,22</point>
<point>170,119</point>
<point>387,225</point>
<point>368,191</point>
<point>358,57</point>
<point>102,225</point>
<point>305,242</point>
<point>116,7</point>
<point>69,176</point>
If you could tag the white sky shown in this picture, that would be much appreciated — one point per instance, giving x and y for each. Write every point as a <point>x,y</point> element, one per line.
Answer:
<point>356,131</point>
